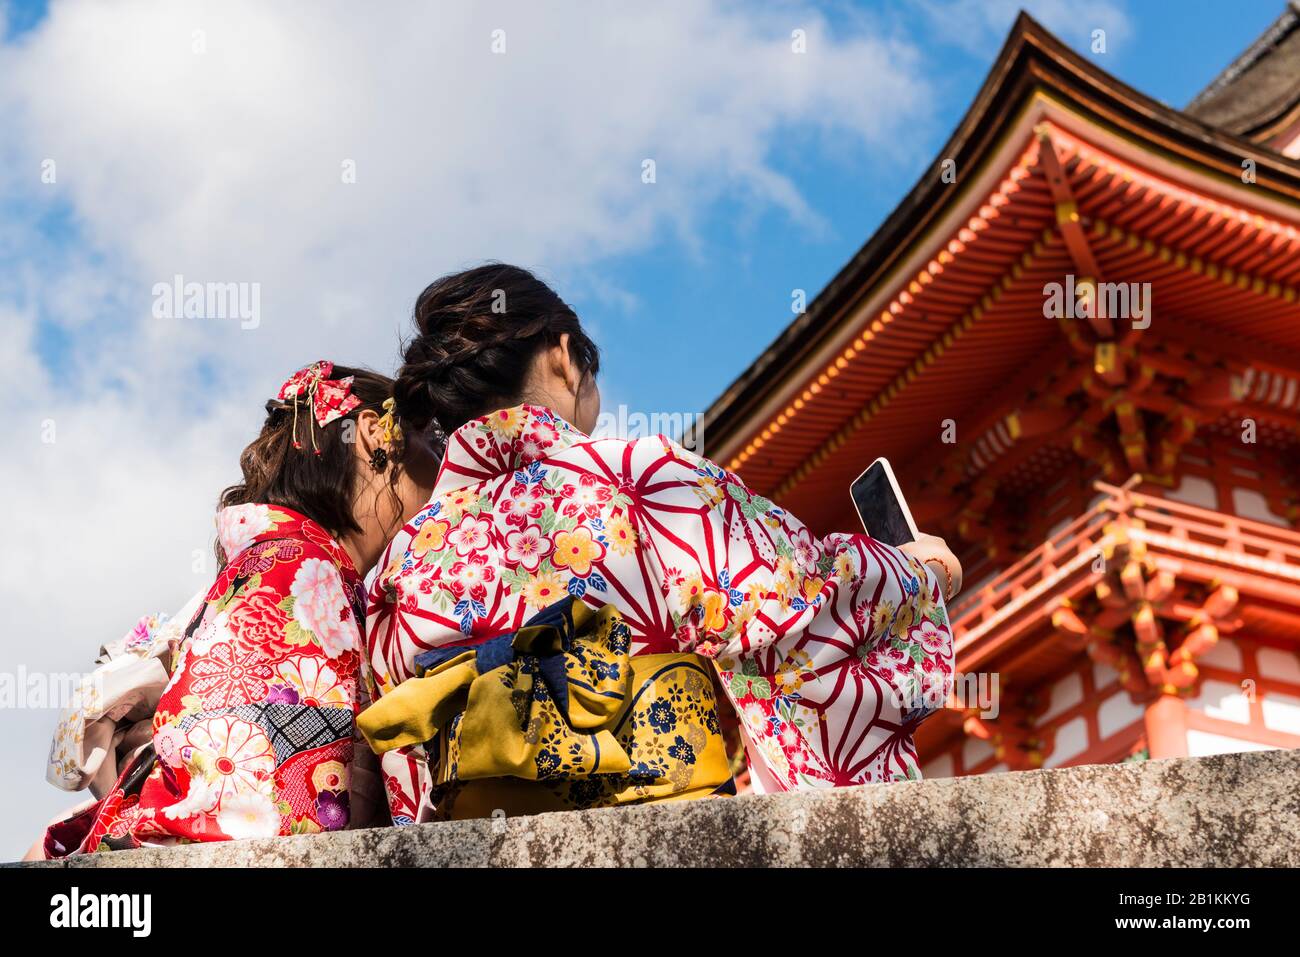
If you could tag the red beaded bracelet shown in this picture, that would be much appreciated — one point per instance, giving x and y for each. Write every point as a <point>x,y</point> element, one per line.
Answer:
<point>947,573</point>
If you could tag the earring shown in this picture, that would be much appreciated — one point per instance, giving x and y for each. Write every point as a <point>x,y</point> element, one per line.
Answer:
<point>379,460</point>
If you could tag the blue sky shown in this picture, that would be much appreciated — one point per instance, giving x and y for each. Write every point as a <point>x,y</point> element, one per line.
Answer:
<point>206,139</point>
<point>724,294</point>
<point>745,274</point>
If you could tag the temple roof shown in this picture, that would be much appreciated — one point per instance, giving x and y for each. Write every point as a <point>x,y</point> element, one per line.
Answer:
<point>934,347</point>
<point>945,285</point>
<point>1260,88</point>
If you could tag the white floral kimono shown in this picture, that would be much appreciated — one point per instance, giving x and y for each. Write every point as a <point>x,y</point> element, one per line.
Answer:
<point>831,651</point>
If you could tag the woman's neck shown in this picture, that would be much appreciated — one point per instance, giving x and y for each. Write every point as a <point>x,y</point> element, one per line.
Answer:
<point>561,403</point>
<point>363,552</point>
<point>354,553</point>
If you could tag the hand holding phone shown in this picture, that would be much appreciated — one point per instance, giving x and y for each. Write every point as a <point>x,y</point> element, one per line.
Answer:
<point>881,505</point>
<point>886,518</point>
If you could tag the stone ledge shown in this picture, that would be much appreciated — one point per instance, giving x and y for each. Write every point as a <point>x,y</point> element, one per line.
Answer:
<point>1230,810</point>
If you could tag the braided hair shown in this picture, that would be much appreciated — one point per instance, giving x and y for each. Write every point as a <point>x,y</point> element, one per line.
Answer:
<point>477,333</point>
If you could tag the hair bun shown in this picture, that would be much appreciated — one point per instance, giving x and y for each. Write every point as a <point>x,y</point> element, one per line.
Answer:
<point>478,332</point>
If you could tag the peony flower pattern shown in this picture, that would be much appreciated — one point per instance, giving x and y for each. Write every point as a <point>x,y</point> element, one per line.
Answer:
<point>321,606</point>
<point>249,815</point>
<point>239,525</point>
<point>258,618</point>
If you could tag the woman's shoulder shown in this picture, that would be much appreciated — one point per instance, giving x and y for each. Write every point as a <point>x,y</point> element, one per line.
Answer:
<point>292,585</point>
<point>633,452</point>
<point>262,539</point>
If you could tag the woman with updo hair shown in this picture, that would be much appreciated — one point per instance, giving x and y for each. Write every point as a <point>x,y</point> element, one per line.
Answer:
<point>549,631</point>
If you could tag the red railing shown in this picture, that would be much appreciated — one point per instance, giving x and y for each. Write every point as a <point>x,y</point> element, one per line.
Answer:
<point>1191,529</point>
<point>1071,547</point>
<point>1181,531</point>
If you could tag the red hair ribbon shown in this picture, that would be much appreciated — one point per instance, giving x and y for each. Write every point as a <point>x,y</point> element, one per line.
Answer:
<point>329,399</point>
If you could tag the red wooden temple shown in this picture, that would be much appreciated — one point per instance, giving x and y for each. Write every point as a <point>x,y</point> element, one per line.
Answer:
<point>1119,478</point>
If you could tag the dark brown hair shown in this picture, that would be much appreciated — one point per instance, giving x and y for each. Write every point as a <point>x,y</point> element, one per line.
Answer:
<point>477,332</point>
<point>320,486</point>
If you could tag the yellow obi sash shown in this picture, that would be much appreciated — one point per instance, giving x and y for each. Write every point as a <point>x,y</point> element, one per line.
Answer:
<point>558,715</point>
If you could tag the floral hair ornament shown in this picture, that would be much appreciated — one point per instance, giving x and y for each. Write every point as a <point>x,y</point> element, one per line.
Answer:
<point>388,422</point>
<point>329,399</point>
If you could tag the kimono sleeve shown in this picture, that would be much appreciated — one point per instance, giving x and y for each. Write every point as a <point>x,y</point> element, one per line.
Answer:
<point>110,717</point>
<point>296,634</point>
<point>385,664</point>
<point>831,650</point>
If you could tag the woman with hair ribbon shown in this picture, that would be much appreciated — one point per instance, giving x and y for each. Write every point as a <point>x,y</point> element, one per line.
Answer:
<point>237,718</point>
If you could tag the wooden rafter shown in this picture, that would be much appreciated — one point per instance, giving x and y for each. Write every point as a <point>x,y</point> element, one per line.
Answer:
<point>1071,229</point>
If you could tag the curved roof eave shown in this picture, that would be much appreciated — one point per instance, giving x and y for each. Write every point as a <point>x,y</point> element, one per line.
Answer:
<point>1030,58</point>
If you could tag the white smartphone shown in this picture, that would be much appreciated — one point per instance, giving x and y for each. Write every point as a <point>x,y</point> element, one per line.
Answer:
<point>881,506</point>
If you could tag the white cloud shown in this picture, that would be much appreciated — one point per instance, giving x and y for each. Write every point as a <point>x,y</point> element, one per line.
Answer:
<point>225,165</point>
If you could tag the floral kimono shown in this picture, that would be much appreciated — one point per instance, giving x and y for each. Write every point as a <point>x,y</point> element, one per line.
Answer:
<point>253,732</point>
<point>831,651</point>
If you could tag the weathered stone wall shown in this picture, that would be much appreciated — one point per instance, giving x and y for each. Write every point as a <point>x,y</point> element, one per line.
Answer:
<point>1230,810</point>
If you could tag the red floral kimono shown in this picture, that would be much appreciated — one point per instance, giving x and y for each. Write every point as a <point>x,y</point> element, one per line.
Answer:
<point>253,735</point>
<point>831,651</point>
